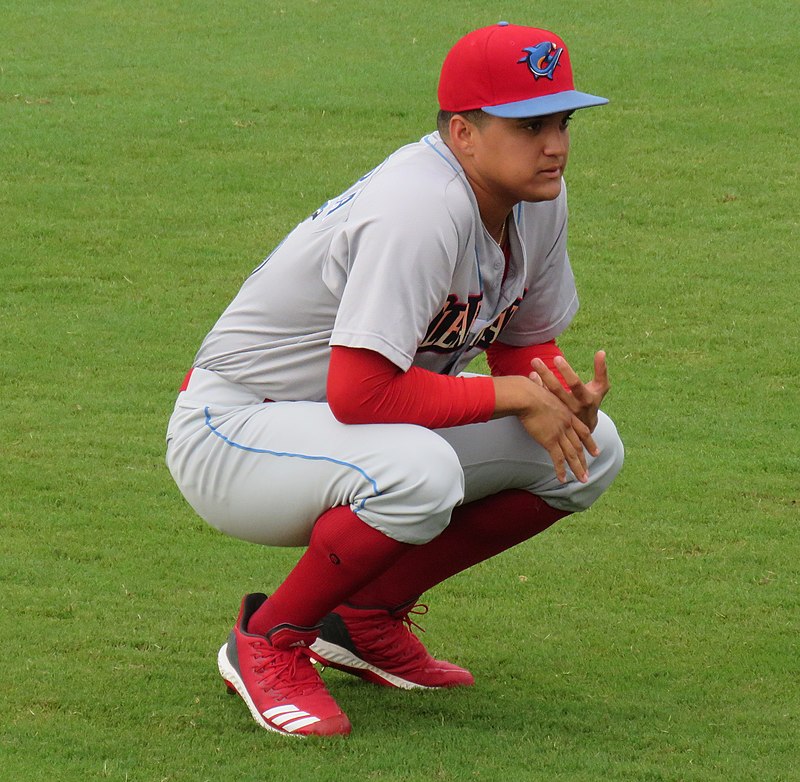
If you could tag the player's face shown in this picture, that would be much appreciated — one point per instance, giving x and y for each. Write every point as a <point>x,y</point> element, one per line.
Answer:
<point>520,159</point>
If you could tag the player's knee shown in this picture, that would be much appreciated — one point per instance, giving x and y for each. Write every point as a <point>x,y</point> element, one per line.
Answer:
<point>605,467</point>
<point>612,451</point>
<point>427,482</point>
<point>433,478</point>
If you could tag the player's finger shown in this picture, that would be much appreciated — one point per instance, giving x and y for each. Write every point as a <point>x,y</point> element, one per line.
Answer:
<point>585,435</point>
<point>574,458</point>
<point>536,378</point>
<point>552,383</point>
<point>575,440</point>
<point>590,445</point>
<point>576,385</point>
<point>557,457</point>
<point>601,369</point>
<point>577,443</point>
<point>566,370</point>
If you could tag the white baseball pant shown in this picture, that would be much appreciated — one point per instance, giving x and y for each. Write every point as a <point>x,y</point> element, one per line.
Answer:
<point>265,471</point>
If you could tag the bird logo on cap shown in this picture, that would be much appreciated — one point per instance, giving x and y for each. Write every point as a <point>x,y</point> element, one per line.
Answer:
<point>542,59</point>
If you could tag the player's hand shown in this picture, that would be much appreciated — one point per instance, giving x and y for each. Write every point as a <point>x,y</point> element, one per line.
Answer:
<point>585,399</point>
<point>551,423</point>
<point>547,420</point>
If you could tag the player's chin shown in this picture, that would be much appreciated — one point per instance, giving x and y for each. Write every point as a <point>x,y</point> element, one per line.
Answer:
<point>543,191</point>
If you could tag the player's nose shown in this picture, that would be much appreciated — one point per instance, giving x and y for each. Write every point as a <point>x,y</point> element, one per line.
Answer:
<point>556,141</point>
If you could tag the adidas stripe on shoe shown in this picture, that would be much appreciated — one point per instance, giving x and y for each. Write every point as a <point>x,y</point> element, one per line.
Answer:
<point>280,687</point>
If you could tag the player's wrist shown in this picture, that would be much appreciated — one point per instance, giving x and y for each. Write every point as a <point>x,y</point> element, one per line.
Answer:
<point>514,395</point>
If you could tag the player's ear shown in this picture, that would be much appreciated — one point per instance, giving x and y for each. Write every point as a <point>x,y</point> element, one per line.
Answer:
<point>462,133</point>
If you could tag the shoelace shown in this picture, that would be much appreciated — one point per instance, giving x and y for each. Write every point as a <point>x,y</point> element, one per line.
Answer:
<point>418,609</point>
<point>391,639</point>
<point>288,671</point>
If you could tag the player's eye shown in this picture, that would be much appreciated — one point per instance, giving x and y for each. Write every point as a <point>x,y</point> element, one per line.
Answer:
<point>533,125</point>
<point>565,122</point>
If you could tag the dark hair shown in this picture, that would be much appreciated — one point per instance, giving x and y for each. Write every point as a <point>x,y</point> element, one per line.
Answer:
<point>475,116</point>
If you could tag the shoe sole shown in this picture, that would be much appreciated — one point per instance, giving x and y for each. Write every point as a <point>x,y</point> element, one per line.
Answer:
<point>335,656</point>
<point>236,686</point>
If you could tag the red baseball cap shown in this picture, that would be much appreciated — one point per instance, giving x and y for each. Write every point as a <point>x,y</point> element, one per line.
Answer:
<point>511,71</point>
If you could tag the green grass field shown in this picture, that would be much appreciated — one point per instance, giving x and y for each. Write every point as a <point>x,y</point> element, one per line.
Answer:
<point>153,153</point>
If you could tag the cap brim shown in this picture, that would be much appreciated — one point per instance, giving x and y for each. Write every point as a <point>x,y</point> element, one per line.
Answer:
<point>569,100</point>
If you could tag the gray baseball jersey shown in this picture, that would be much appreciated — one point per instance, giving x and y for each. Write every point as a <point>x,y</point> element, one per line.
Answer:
<point>400,263</point>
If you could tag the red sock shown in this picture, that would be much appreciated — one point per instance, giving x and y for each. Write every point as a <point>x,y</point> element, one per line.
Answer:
<point>344,554</point>
<point>477,531</point>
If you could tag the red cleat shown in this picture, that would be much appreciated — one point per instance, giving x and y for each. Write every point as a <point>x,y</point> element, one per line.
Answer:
<point>378,646</point>
<point>278,683</point>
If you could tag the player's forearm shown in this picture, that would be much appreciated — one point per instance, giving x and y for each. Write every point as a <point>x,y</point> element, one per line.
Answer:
<point>365,387</point>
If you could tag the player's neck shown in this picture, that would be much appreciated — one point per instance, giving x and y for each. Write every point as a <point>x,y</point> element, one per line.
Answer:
<point>500,235</point>
<point>492,205</point>
<point>497,227</point>
<point>494,211</point>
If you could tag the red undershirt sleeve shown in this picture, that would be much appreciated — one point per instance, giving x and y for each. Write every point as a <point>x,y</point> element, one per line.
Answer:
<point>365,387</point>
<point>509,360</point>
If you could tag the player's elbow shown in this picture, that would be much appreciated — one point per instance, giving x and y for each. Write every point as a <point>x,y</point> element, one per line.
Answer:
<point>357,384</point>
<point>345,407</point>
<point>346,400</point>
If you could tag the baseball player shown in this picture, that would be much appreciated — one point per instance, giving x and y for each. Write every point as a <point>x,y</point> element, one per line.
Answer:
<point>329,408</point>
